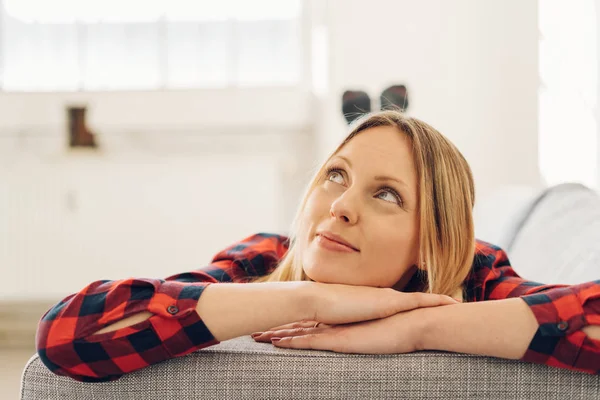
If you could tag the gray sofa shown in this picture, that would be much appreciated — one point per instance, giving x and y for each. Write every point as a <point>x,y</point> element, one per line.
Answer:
<point>561,223</point>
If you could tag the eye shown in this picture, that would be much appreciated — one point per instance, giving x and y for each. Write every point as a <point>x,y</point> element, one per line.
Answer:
<point>393,197</point>
<point>333,173</point>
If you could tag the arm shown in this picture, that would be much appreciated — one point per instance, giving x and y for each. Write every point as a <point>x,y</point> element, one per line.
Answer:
<point>265,305</point>
<point>499,328</point>
<point>233,310</point>
<point>510,317</point>
<point>110,328</point>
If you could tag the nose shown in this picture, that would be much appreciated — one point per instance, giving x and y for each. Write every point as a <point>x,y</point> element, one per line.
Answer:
<point>343,208</point>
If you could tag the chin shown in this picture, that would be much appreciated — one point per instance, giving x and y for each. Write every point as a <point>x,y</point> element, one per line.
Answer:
<point>321,264</point>
<point>323,273</point>
<point>314,272</point>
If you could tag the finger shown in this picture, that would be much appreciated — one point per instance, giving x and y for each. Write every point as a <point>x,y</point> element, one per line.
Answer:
<point>312,341</point>
<point>298,324</point>
<point>433,300</point>
<point>266,336</point>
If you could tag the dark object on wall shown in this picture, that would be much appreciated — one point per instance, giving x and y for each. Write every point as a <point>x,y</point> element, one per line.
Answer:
<point>79,135</point>
<point>394,98</point>
<point>354,104</point>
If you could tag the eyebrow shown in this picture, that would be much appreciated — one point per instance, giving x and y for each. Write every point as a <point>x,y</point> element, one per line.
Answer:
<point>378,177</point>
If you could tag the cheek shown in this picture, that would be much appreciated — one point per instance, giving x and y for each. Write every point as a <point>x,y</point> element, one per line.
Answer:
<point>316,207</point>
<point>309,219</point>
<point>394,244</point>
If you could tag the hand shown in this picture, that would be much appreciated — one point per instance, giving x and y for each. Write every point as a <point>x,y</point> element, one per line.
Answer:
<point>593,331</point>
<point>399,333</point>
<point>343,304</point>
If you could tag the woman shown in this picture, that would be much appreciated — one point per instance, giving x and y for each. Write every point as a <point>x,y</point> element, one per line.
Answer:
<point>382,241</point>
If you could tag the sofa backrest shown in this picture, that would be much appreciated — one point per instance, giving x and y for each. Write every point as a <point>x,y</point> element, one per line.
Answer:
<point>499,213</point>
<point>558,241</point>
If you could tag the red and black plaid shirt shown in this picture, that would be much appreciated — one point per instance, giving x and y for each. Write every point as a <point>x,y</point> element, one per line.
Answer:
<point>67,346</point>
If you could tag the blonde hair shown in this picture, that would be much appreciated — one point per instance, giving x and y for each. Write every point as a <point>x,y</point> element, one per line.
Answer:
<point>446,196</point>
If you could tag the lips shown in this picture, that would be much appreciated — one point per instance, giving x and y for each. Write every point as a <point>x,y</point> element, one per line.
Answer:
<point>336,238</point>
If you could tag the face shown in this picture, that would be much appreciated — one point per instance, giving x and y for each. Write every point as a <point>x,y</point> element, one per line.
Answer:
<point>367,199</point>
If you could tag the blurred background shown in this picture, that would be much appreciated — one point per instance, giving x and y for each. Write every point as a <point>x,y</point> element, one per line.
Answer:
<point>140,137</point>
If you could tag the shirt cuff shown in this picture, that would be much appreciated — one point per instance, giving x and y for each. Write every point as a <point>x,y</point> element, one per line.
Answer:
<point>176,321</point>
<point>559,313</point>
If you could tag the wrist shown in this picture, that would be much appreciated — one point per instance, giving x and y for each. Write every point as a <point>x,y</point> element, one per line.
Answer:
<point>425,322</point>
<point>308,300</point>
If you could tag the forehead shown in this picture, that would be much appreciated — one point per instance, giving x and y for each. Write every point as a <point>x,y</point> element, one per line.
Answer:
<point>382,147</point>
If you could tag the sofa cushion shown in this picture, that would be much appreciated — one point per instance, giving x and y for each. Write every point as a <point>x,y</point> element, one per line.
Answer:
<point>559,240</point>
<point>244,369</point>
<point>499,214</point>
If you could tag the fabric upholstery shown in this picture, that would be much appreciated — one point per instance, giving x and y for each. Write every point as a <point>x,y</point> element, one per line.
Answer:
<point>559,240</point>
<point>243,369</point>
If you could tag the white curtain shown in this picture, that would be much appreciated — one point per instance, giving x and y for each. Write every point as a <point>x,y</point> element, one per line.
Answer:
<point>180,44</point>
<point>568,63</point>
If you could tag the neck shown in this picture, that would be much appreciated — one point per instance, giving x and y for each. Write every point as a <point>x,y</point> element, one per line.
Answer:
<point>409,280</point>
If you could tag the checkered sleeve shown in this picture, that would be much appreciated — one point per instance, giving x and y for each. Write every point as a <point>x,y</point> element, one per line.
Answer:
<point>66,341</point>
<point>561,311</point>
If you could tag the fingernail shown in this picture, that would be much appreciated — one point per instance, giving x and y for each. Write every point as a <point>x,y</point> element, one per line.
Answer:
<point>275,339</point>
<point>255,334</point>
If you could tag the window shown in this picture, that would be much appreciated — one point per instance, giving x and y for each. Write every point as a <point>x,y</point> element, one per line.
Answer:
<point>568,149</point>
<point>67,45</point>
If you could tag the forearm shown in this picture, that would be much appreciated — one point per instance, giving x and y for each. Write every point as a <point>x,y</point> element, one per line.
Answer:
<point>230,310</point>
<point>497,328</point>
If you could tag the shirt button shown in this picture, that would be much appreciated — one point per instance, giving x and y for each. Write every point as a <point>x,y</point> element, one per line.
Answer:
<point>563,326</point>
<point>172,310</point>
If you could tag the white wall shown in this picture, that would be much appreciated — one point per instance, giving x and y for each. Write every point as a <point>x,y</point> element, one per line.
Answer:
<point>157,110</point>
<point>470,67</point>
<point>178,177</point>
<point>181,174</point>
<point>77,219</point>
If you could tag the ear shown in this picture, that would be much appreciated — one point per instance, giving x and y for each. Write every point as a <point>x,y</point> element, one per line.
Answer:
<point>354,104</point>
<point>394,97</point>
